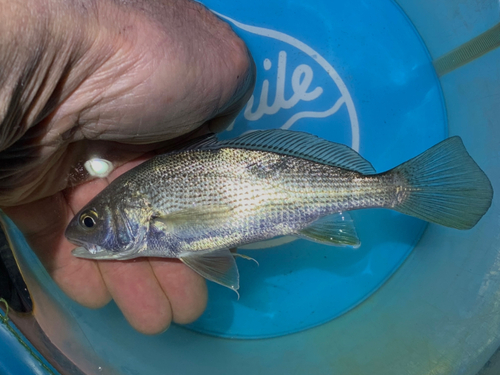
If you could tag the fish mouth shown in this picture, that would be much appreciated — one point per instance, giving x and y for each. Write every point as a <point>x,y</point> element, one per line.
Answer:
<point>96,252</point>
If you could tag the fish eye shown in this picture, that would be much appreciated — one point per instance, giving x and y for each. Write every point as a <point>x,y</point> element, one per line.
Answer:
<point>88,219</point>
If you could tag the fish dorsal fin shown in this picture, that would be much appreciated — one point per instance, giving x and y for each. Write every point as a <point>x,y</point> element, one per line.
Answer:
<point>204,141</point>
<point>337,229</point>
<point>302,145</point>
<point>217,266</point>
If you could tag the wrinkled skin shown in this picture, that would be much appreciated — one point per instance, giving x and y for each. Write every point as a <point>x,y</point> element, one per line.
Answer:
<point>123,80</point>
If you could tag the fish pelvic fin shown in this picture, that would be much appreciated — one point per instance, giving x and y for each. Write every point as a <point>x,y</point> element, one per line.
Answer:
<point>218,266</point>
<point>246,257</point>
<point>444,186</point>
<point>337,229</point>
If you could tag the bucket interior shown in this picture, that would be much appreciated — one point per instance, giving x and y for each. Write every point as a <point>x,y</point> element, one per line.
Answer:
<point>414,298</point>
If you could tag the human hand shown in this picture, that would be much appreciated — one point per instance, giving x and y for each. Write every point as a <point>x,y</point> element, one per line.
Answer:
<point>118,81</point>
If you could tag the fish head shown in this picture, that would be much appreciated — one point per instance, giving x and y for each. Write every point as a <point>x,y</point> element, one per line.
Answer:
<point>104,230</point>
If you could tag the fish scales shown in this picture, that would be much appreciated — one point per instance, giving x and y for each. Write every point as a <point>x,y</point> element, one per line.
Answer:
<point>233,176</point>
<point>267,194</point>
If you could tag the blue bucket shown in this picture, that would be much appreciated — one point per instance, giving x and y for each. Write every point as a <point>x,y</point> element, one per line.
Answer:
<point>389,79</point>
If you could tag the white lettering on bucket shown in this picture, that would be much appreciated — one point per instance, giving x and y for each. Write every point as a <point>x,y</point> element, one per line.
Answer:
<point>301,83</point>
<point>301,80</point>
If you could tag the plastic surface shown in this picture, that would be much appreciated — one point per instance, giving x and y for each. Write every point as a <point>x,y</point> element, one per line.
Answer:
<point>18,356</point>
<point>438,314</point>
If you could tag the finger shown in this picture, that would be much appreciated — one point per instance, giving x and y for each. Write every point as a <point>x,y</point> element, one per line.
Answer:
<point>232,108</point>
<point>186,290</point>
<point>138,294</point>
<point>42,223</point>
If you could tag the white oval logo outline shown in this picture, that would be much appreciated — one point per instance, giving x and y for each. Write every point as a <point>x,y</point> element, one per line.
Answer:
<point>345,97</point>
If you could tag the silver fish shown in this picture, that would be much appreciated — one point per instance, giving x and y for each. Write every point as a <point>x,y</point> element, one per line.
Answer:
<point>199,202</point>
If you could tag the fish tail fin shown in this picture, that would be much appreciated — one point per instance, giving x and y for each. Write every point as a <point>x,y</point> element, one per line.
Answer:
<point>445,186</point>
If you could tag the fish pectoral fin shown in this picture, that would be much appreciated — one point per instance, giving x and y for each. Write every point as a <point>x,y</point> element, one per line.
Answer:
<point>202,215</point>
<point>337,229</point>
<point>278,241</point>
<point>158,224</point>
<point>218,266</point>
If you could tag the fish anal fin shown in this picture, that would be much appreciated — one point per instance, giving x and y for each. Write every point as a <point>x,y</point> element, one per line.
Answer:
<point>337,229</point>
<point>218,266</point>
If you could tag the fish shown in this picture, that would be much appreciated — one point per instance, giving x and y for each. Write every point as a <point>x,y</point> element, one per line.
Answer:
<point>200,202</point>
